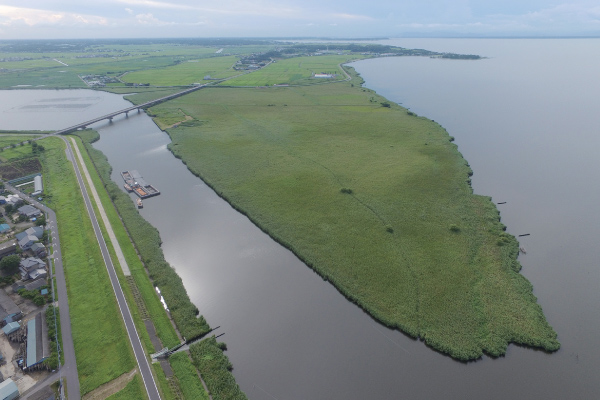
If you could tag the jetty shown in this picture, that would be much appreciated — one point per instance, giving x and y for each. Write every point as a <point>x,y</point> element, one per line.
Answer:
<point>134,182</point>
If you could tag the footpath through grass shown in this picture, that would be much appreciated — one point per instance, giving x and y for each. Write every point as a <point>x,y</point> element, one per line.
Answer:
<point>375,199</point>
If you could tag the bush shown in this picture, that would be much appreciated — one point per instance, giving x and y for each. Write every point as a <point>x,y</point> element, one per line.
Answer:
<point>454,228</point>
<point>10,264</point>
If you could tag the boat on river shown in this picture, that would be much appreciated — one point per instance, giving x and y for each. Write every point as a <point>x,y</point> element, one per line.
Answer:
<point>139,203</point>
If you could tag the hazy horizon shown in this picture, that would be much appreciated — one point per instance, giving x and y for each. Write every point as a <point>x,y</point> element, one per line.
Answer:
<point>69,19</point>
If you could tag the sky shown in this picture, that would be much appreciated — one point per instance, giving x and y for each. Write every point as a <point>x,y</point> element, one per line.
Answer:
<point>64,19</point>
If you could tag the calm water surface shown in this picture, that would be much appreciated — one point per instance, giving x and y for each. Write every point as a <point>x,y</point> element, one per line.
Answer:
<point>524,119</point>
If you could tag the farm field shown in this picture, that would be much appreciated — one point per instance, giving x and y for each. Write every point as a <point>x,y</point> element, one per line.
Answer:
<point>297,70</point>
<point>186,73</point>
<point>376,199</point>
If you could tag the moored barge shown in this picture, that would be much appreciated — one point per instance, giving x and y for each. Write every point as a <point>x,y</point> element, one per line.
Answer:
<point>135,182</point>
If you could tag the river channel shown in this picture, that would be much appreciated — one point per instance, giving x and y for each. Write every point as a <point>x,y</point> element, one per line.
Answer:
<point>292,336</point>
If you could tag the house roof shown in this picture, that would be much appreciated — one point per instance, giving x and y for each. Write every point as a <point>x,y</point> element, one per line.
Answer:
<point>37,341</point>
<point>27,239</point>
<point>31,343</point>
<point>10,245</point>
<point>29,210</point>
<point>40,272</point>
<point>20,235</point>
<point>4,227</point>
<point>7,305</point>
<point>32,263</point>
<point>37,231</point>
<point>11,327</point>
<point>8,388</point>
<point>37,246</point>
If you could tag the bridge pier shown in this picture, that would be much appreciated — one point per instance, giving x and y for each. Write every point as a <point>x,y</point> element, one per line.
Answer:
<point>110,119</point>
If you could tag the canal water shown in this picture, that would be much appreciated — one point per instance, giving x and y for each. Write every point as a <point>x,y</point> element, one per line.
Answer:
<point>525,121</point>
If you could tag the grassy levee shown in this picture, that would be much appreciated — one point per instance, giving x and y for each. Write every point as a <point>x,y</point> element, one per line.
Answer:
<point>150,299</point>
<point>134,390</point>
<point>215,368</point>
<point>101,345</point>
<point>375,199</point>
<point>147,241</point>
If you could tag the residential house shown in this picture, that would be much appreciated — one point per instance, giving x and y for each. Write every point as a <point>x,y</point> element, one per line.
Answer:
<point>27,241</point>
<point>9,311</point>
<point>37,231</point>
<point>39,250</point>
<point>32,268</point>
<point>4,228</point>
<point>30,236</point>
<point>8,248</point>
<point>36,284</point>
<point>14,200</point>
<point>29,211</point>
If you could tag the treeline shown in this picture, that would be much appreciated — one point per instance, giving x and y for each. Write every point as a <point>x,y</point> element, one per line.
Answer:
<point>371,49</point>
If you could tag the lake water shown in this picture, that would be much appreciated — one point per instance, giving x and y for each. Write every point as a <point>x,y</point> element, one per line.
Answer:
<point>525,120</point>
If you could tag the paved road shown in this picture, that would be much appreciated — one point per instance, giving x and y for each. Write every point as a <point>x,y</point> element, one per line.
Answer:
<point>68,368</point>
<point>138,350</point>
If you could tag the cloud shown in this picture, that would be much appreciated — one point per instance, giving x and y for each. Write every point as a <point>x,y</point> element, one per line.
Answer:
<point>353,17</point>
<point>129,11</point>
<point>32,17</point>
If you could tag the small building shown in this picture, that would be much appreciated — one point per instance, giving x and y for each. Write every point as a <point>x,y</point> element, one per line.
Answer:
<point>36,231</point>
<point>38,186</point>
<point>11,327</point>
<point>29,211</point>
<point>26,242</point>
<point>4,228</point>
<point>8,390</point>
<point>39,250</point>
<point>30,267</point>
<point>9,311</point>
<point>36,284</point>
<point>2,200</point>
<point>8,248</point>
<point>14,199</point>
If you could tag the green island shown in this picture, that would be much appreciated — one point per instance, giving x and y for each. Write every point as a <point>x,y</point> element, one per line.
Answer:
<point>377,200</point>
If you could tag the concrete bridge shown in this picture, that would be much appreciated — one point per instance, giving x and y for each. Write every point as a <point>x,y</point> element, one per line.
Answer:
<point>126,111</point>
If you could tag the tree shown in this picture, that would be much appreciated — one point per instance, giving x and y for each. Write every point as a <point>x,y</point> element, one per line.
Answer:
<point>10,264</point>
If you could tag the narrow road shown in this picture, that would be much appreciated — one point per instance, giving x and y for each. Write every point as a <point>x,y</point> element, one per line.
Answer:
<point>138,350</point>
<point>68,368</point>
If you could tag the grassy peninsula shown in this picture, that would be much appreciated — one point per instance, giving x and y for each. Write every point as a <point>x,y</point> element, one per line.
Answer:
<point>374,198</point>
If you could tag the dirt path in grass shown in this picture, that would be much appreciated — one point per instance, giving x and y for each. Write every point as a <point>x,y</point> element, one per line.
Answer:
<point>112,387</point>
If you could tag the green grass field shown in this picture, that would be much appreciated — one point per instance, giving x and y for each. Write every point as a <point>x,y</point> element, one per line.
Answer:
<point>186,73</point>
<point>376,200</point>
<point>296,71</point>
